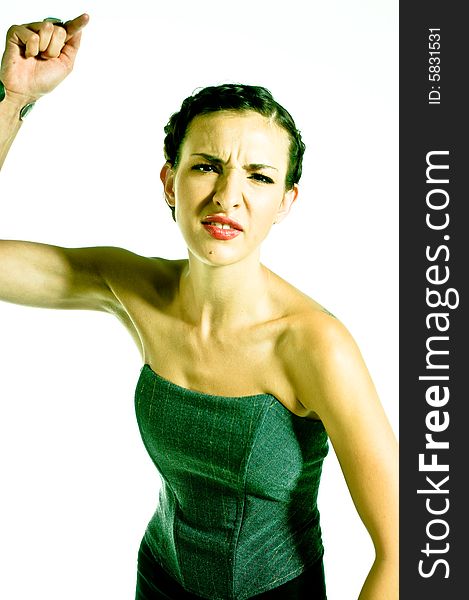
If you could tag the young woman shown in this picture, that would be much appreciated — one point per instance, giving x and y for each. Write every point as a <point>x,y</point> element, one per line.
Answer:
<point>244,379</point>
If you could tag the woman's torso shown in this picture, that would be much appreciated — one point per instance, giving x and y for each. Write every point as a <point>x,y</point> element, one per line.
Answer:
<point>263,465</point>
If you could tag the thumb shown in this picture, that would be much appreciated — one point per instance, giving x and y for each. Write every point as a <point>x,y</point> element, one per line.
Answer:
<point>72,41</point>
<point>75,25</point>
<point>71,47</point>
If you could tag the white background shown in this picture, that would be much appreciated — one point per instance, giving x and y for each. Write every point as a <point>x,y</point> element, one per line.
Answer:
<point>77,487</point>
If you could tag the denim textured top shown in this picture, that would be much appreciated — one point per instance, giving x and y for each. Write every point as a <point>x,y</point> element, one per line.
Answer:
<point>237,512</point>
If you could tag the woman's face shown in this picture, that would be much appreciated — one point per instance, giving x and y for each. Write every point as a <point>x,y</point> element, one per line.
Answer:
<point>229,186</point>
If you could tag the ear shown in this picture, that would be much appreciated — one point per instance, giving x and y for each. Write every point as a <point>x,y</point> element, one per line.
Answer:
<point>288,199</point>
<point>167,178</point>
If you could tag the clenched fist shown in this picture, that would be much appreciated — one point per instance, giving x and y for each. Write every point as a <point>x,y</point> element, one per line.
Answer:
<point>38,56</point>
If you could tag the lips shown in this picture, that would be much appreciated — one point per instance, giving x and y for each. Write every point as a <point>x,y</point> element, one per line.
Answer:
<point>223,221</point>
<point>221,227</point>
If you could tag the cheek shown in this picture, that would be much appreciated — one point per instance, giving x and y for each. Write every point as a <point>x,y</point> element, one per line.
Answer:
<point>191,190</point>
<point>270,205</point>
<point>262,222</point>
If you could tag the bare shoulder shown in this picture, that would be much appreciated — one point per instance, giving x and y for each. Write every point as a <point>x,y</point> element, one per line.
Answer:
<point>308,324</point>
<point>317,340</point>
<point>125,269</point>
<point>114,259</point>
<point>320,356</point>
<point>125,274</point>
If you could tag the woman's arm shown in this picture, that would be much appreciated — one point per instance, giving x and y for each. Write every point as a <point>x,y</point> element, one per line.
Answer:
<point>48,276</point>
<point>333,381</point>
<point>10,123</point>
<point>37,57</point>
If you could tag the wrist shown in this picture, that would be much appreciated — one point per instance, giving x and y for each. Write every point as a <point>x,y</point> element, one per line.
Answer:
<point>14,103</point>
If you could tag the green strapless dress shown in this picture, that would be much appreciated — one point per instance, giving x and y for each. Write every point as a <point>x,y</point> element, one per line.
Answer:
<point>237,512</point>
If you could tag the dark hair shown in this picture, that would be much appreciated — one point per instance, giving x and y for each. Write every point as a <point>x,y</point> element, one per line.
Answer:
<point>238,97</point>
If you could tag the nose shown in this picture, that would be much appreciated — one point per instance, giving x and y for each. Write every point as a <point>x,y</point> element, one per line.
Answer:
<point>228,192</point>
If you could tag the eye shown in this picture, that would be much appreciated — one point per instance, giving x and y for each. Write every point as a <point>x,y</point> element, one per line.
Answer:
<point>204,168</point>
<point>261,178</point>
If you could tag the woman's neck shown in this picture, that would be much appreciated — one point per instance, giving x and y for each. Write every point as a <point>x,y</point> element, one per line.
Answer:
<point>228,296</point>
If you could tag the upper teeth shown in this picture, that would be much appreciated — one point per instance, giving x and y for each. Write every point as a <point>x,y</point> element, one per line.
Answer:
<point>221,225</point>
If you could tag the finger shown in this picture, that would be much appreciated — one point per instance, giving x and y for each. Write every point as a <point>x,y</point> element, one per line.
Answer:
<point>23,37</point>
<point>35,37</point>
<point>52,38</point>
<point>73,39</point>
<point>71,47</point>
<point>76,25</point>
<point>44,31</point>
<point>56,43</point>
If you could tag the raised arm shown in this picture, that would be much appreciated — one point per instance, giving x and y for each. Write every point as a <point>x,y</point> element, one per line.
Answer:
<point>333,381</point>
<point>37,57</point>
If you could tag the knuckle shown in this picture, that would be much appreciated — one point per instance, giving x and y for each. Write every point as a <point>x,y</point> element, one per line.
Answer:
<point>47,27</point>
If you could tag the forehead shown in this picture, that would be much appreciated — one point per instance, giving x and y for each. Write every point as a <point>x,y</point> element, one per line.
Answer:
<point>244,134</point>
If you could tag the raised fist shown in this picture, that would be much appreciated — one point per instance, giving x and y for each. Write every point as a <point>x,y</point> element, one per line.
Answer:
<point>38,56</point>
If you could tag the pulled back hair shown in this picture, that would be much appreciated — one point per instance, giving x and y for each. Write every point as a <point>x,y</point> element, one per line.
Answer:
<point>236,97</point>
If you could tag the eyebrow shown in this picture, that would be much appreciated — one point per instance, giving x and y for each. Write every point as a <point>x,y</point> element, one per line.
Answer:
<point>217,161</point>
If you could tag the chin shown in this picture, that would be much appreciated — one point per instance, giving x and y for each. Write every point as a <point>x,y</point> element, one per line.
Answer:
<point>219,256</point>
